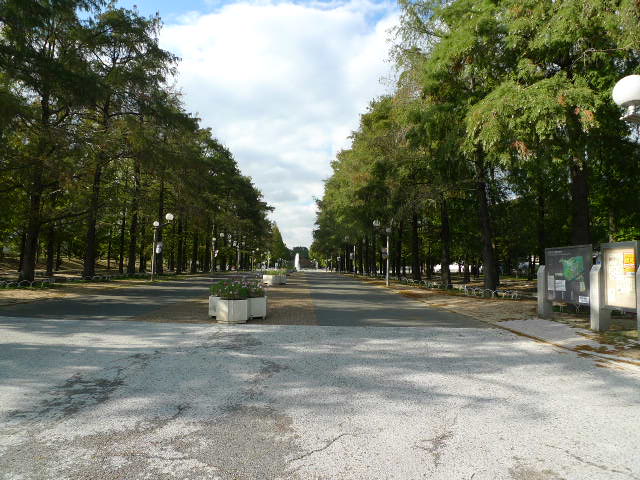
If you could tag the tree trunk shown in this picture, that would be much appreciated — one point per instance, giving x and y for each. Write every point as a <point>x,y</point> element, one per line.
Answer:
<point>133,228</point>
<point>580,218</point>
<point>32,231</point>
<point>540,225</point>
<point>374,246</point>
<point>415,248</point>
<point>143,257</point>
<point>89,268</point>
<point>159,263</point>
<point>51,251</point>
<point>223,258</point>
<point>58,256</point>
<point>179,261</point>
<point>367,262</point>
<point>194,253</point>
<point>207,246</point>
<point>109,248</point>
<point>491,278</point>
<point>216,246</point>
<point>184,248</point>
<point>23,241</point>
<point>445,238</point>
<point>467,271</point>
<point>172,249</point>
<point>400,268</point>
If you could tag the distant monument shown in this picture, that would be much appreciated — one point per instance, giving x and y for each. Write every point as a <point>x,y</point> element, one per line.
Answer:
<point>296,262</point>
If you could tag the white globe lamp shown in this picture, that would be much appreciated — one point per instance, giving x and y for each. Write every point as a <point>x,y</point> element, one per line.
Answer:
<point>169,217</point>
<point>626,93</point>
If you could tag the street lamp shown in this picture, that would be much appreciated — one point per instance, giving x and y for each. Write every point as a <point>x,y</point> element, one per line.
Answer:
<point>157,247</point>
<point>626,93</point>
<point>376,224</point>
<point>351,255</point>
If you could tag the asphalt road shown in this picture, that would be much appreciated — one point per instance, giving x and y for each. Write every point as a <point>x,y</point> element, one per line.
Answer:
<point>130,400</point>
<point>341,300</point>
<point>116,304</point>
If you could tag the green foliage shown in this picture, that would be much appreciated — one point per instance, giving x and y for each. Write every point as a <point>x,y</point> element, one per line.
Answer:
<point>96,145</point>
<point>230,290</point>
<point>508,98</point>
<point>276,272</point>
<point>276,245</point>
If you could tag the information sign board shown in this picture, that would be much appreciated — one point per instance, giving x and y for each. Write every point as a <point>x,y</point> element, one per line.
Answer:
<point>619,262</point>
<point>567,271</point>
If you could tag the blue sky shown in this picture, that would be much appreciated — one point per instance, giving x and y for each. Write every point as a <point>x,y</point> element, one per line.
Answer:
<point>281,83</point>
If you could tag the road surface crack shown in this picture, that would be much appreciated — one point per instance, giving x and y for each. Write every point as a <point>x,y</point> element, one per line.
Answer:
<point>326,445</point>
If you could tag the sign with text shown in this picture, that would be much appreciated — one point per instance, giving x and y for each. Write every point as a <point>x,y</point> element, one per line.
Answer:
<point>568,273</point>
<point>619,262</point>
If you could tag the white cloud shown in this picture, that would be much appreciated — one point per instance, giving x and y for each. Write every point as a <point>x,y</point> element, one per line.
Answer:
<point>282,85</point>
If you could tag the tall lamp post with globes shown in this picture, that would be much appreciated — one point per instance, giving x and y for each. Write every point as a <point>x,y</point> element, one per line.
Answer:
<point>158,247</point>
<point>387,230</point>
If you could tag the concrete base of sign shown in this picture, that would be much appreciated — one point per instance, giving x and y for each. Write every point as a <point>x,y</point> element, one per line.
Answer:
<point>545,306</point>
<point>600,316</point>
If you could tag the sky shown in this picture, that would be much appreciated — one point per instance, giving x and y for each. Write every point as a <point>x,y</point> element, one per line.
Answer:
<point>281,84</point>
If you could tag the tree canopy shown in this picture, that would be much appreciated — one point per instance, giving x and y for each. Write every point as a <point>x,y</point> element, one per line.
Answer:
<point>97,144</point>
<point>500,139</point>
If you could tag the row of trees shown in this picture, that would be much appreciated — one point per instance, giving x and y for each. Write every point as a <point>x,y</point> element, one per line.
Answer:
<point>96,145</point>
<point>500,139</point>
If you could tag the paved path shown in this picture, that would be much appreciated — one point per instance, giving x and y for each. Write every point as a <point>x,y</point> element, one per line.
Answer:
<point>130,400</point>
<point>115,303</point>
<point>344,301</point>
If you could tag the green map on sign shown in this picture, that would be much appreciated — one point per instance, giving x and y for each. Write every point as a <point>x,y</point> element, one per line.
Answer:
<point>572,268</point>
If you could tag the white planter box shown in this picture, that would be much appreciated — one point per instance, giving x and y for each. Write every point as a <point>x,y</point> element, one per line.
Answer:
<point>274,279</point>
<point>213,304</point>
<point>232,311</point>
<point>258,307</point>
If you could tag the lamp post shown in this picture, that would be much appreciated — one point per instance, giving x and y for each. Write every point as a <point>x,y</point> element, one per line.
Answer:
<point>350,256</point>
<point>626,93</point>
<point>157,248</point>
<point>223,258</point>
<point>235,244</point>
<point>376,224</point>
